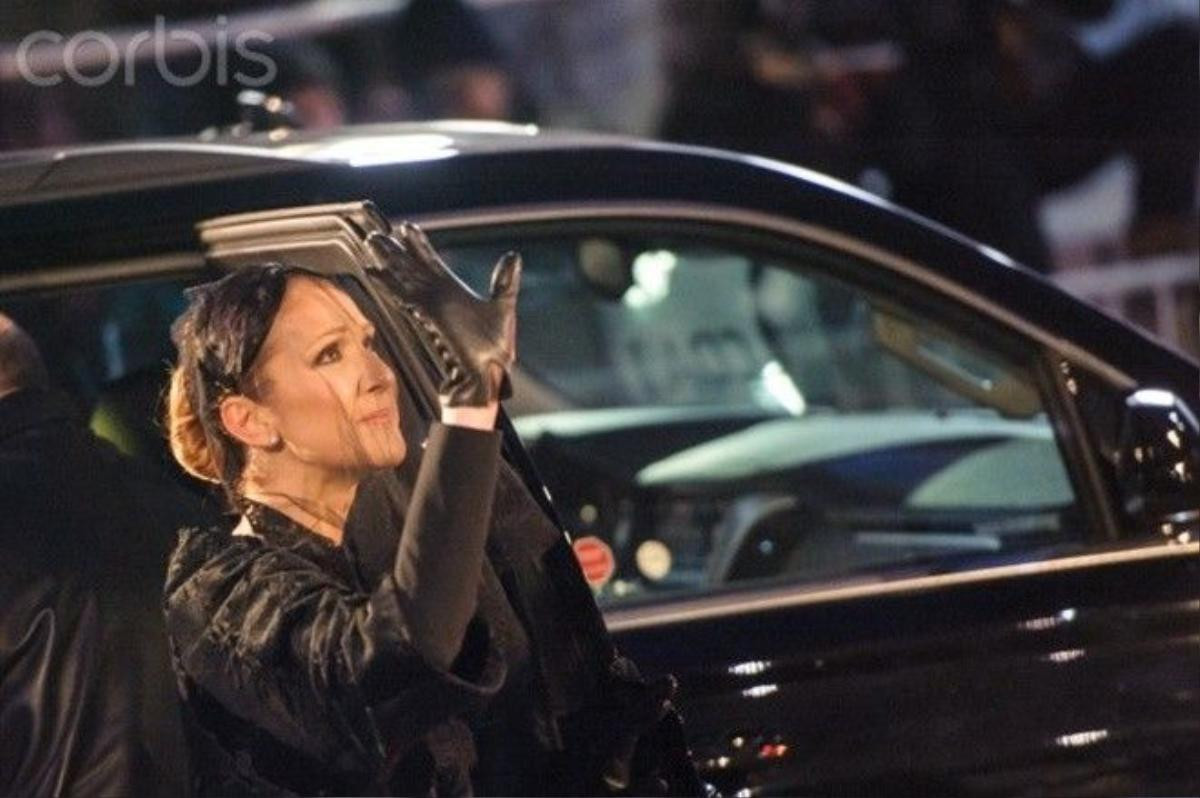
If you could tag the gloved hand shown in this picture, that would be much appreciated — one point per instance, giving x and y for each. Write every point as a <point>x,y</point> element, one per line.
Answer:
<point>473,338</point>
<point>662,764</point>
<point>632,708</point>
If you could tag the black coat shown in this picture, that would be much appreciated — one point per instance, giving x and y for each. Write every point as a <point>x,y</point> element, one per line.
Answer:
<point>299,678</point>
<point>87,700</point>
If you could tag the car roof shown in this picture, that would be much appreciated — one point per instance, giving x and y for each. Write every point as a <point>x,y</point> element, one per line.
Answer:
<point>61,205</point>
<point>66,207</point>
<point>53,173</point>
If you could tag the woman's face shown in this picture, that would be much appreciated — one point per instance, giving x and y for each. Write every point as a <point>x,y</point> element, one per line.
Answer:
<point>331,397</point>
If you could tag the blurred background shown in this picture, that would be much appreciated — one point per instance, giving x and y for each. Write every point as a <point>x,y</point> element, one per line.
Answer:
<point>1062,132</point>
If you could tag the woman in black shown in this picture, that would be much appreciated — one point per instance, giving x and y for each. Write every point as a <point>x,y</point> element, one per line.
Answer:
<point>305,672</point>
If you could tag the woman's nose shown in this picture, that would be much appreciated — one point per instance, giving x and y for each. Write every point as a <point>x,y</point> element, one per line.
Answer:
<point>379,375</point>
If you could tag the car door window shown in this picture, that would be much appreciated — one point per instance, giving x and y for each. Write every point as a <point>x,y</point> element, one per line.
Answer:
<point>719,413</point>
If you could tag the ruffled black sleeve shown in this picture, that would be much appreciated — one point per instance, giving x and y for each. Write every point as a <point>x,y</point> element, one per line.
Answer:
<point>294,651</point>
<point>281,644</point>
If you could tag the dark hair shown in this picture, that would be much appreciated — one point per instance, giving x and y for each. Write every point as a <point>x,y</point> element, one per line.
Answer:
<point>218,338</point>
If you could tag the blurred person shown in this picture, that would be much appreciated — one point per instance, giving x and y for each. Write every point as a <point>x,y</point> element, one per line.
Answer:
<point>839,88</point>
<point>598,67</point>
<point>1000,103</point>
<point>940,131</point>
<point>33,117</point>
<point>448,61</point>
<point>1090,80</point>
<point>311,81</point>
<point>718,97</point>
<point>991,105</point>
<point>306,76</point>
<point>87,701</point>
<point>303,671</point>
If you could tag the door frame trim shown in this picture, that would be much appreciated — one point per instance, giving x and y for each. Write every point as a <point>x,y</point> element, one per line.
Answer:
<point>771,223</point>
<point>786,597</point>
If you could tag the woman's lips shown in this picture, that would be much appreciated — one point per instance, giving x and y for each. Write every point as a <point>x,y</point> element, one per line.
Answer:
<point>379,416</point>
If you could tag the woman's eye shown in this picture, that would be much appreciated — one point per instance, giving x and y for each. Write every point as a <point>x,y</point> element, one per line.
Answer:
<point>330,354</point>
<point>369,343</point>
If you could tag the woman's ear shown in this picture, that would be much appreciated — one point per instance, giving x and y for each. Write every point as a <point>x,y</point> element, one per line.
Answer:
<point>248,422</point>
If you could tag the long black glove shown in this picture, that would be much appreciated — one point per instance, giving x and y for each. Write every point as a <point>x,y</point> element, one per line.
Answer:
<point>632,708</point>
<point>662,764</point>
<point>442,546</point>
<point>630,742</point>
<point>473,338</point>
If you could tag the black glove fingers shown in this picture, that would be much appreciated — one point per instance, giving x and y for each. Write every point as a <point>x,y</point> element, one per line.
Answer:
<point>472,339</point>
<point>506,284</point>
<point>413,281</point>
<point>506,277</point>
<point>386,247</point>
<point>415,238</point>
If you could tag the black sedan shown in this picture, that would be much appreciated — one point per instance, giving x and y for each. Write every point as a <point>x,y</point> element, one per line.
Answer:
<point>899,514</point>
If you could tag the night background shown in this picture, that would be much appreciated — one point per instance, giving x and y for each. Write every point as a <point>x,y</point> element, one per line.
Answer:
<point>1061,132</point>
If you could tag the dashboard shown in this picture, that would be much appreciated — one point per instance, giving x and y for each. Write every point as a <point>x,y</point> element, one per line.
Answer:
<point>697,497</point>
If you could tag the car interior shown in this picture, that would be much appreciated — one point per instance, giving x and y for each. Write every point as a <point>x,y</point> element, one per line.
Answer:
<point>768,422</point>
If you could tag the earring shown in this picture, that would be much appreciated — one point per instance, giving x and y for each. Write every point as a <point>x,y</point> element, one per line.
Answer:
<point>275,441</point>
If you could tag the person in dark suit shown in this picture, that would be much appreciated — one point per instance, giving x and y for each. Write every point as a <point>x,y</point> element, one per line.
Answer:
<point>300,671</point>
<point>87,699</point>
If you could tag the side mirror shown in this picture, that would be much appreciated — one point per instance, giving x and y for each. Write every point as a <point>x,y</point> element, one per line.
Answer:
<point>1158,465</point>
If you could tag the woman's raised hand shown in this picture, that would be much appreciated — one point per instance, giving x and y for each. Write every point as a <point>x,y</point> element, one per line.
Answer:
<point>473,337</point>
